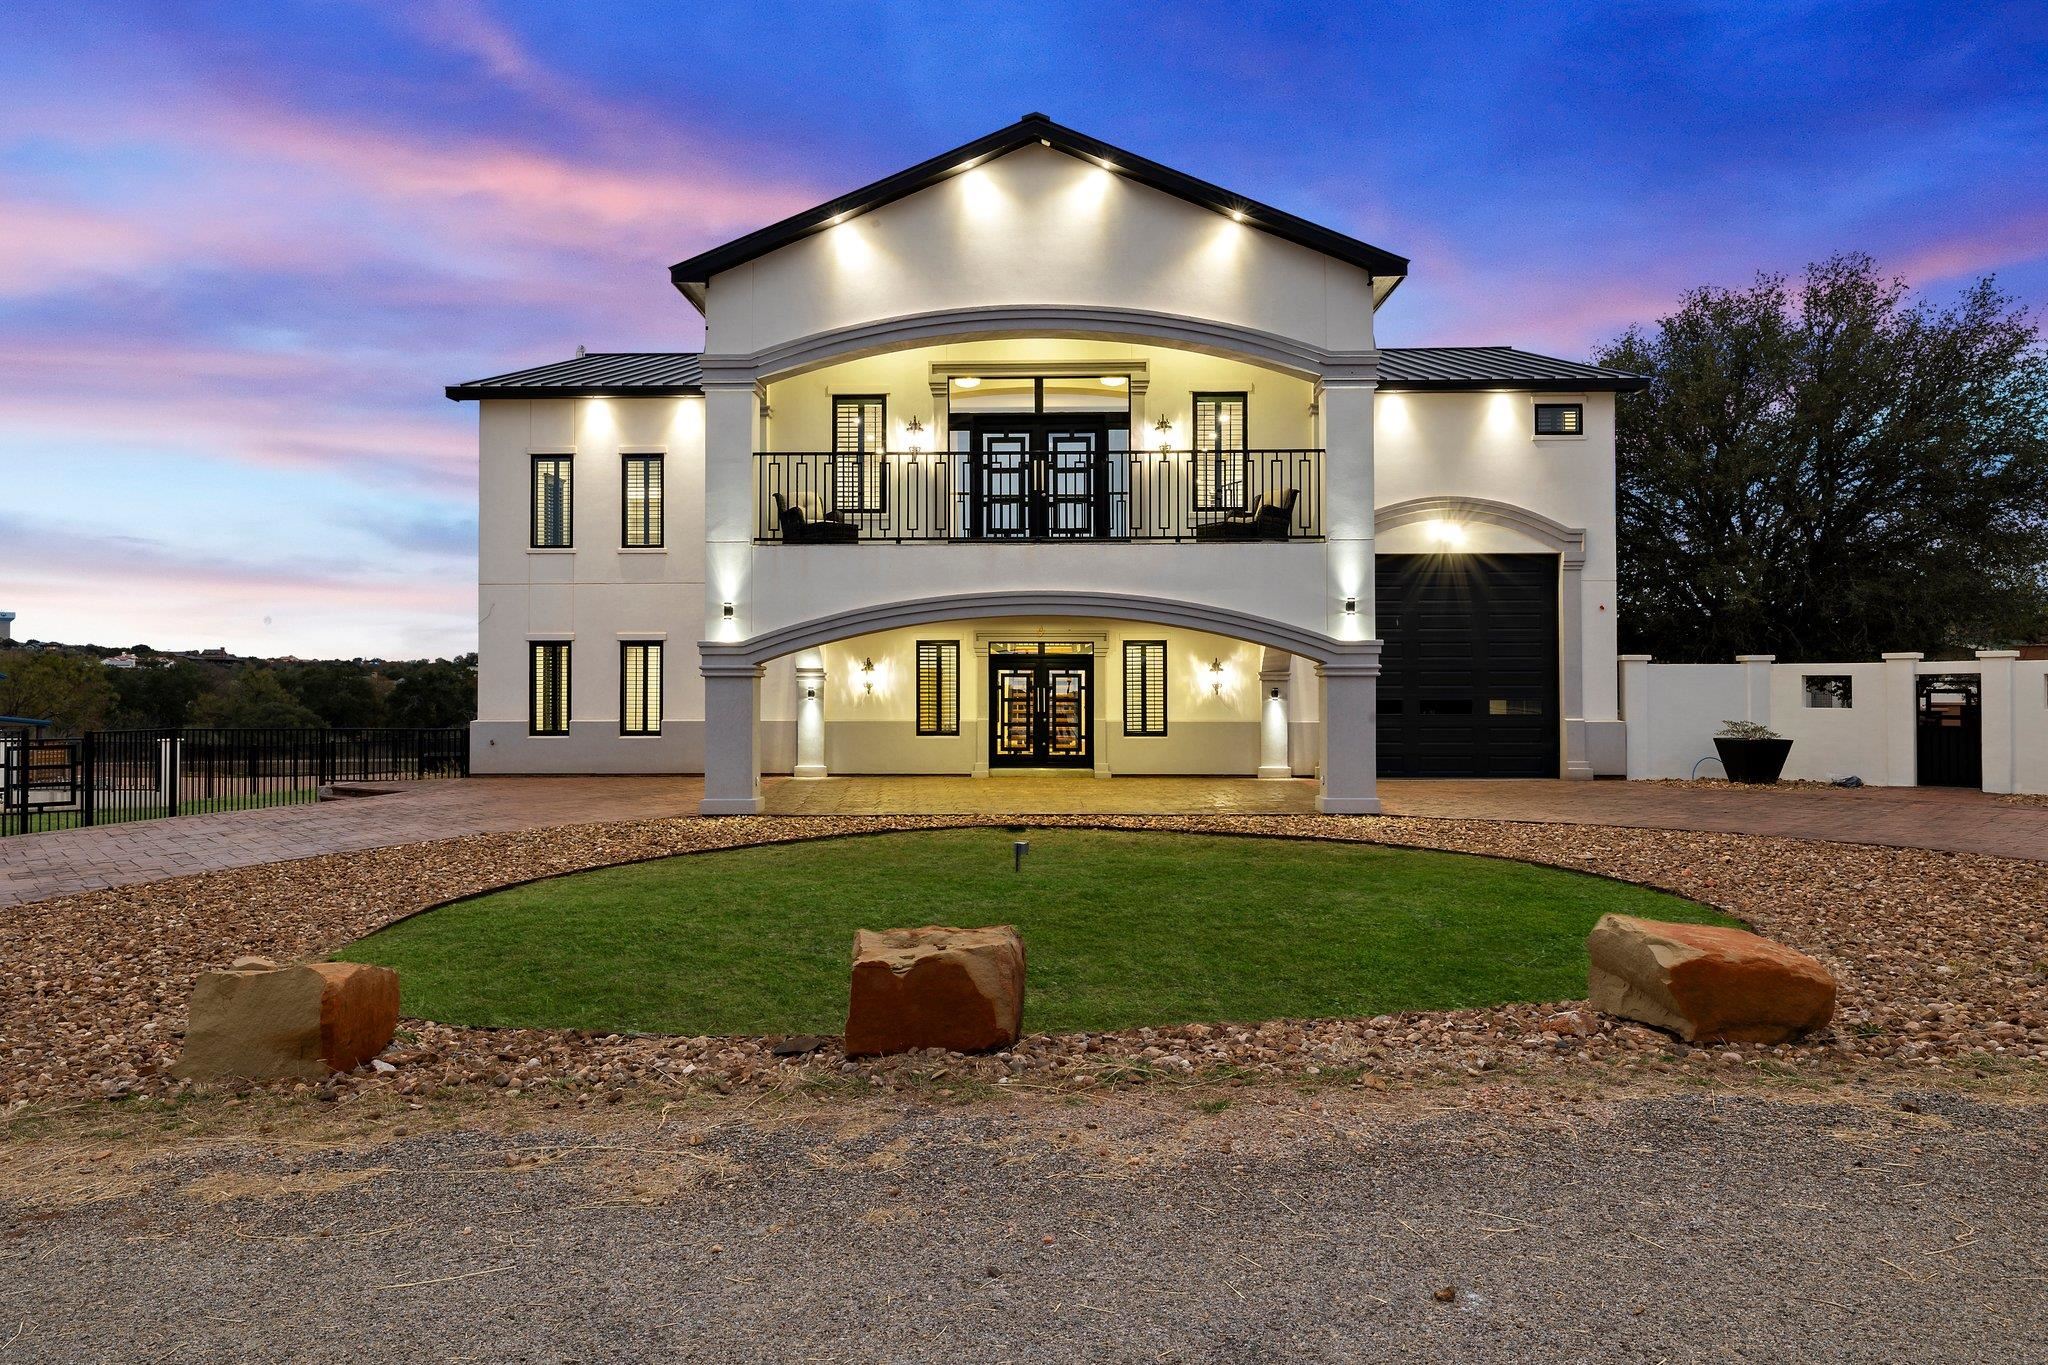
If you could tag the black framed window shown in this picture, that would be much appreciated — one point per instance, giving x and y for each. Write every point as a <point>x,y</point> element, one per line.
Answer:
<point>859,438</point>
<point>1219,446</point>
<point>553,528</point>
<point>639,687</point>
<point>549,692</point>
<point>1145,687</point>
<point>938,687</point>
<point>1560,419</point>
<point>640,511</point>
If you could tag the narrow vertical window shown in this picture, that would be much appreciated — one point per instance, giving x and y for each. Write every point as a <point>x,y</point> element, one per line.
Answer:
<point>938,687</point>
<point>1145,687</point>
<point>641,481</point>
<point>1219,451</point>
<point>1560,419</point>
<point>640,687</point>
<point>551,510</point>
<point>859,439</point>
<point>550,689</point>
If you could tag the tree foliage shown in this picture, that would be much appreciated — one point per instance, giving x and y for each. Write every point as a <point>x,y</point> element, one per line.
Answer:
<point>1833,471</point>
<point>71,691</point>
<point>432,695</point>
<point>256,699</point>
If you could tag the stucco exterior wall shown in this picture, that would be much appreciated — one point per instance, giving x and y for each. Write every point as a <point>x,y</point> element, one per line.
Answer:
<point>1039,227</point>
<point>595,594</point>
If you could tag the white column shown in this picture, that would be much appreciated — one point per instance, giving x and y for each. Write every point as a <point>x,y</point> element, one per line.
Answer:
<point>1572,663</point>
<point>975,695</point>
<point>1349,695</point>
<point>1276,668</point>
<point>1756,686</point>
<point>732,743</point>
<point>2001,739</point>
<point>732,415</point>
<point>1635,712</point>
<point>810,718</point>
<point>1346,412</point>
<point>1901,720</point>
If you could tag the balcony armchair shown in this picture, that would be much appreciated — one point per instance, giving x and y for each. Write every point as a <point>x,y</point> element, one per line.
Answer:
<point>803,523</point>
<point>1270,517</point>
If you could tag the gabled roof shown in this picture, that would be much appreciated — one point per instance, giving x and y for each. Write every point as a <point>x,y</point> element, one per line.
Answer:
<point>643,374</point>
<point>675,374</point>
<point>1494,367</point>
<point>690,276</point>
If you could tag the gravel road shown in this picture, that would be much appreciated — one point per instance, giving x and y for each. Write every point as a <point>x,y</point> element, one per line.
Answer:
<point>1492,1223</point>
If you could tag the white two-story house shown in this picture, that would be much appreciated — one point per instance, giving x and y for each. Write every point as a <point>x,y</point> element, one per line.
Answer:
<point>1040,455</point>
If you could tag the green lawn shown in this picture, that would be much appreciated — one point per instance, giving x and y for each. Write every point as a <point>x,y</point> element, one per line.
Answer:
<point>1119,930</point>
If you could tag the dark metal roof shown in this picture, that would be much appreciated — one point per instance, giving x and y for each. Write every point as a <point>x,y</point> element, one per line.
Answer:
<point>673,374</point>
<point>1494,367</point>
<point>642,374</point>
<point>1025,131</point>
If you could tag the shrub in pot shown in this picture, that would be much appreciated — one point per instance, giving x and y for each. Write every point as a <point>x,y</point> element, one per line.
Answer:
<point>1751,752</point>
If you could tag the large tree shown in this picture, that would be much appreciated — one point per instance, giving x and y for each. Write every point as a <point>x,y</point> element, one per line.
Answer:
<point>71,691</point>
<point>1833,471</point>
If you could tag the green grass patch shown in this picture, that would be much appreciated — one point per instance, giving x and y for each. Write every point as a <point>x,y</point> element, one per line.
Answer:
<point>1120,929</point>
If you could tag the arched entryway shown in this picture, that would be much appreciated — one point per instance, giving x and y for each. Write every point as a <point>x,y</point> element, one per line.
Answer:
<point>1345,671</point>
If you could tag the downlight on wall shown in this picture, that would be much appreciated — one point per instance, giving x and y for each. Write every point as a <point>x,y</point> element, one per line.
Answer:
<point>1445,535</point>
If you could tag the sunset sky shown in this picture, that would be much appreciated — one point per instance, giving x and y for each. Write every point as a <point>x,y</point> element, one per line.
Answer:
<point>243,246</point>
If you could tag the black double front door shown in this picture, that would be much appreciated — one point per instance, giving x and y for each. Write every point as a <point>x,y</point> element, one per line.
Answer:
<point>1041,477</point>
<point>1040,710</point>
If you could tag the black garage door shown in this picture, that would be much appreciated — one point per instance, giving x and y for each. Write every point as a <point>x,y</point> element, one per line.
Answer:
<point>1468,673</point>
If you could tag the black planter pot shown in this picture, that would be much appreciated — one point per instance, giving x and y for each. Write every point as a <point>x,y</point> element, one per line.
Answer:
<point>1753,760</point>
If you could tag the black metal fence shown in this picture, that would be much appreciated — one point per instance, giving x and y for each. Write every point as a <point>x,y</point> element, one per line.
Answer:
<point>896,497</point>
<point>105,777</point>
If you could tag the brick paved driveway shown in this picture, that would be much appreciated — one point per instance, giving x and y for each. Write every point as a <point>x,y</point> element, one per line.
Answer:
<point>37,866</point>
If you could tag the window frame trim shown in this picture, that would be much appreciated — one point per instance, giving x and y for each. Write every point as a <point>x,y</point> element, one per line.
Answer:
<point>533,540</point>
<point>650,706</point>
<point>917,665</point>
<point>1536,407</point>
<point>533,651</point>
<point>660,541</point>
<point>1164,695</point>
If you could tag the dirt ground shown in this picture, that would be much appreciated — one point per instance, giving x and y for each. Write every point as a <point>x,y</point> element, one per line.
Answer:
<point>1694,1220</point>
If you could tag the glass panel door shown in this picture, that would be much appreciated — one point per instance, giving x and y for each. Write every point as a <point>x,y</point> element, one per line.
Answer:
<point>1040,711</point>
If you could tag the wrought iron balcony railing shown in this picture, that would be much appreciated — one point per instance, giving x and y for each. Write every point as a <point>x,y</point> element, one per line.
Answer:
<point>902,497</point>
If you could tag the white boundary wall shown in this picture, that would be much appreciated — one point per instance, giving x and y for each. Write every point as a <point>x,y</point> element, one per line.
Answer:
<point>1674,710</point>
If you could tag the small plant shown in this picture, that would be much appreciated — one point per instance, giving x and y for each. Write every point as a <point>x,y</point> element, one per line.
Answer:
<point>1746,729</point>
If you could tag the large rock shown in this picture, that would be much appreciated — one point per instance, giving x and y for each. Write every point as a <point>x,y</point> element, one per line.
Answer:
<point>266,1022</point>
<point>960,989</point>
<point>1705,984</point>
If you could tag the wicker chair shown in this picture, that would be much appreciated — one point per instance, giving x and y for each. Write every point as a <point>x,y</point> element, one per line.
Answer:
<point>802,524</point>
<point>1271,517</point>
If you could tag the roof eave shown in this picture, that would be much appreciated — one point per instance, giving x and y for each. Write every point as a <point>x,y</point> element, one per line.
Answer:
<point>1560,385</point>
<point>464,392</point>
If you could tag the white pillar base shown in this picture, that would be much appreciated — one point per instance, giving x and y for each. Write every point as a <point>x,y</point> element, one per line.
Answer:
<point>1274,773</point>
<point>1347,805</point>
<point>808,772</point>
<point>729,805</point>
<point>732,742</point>
<point>1350,732</point>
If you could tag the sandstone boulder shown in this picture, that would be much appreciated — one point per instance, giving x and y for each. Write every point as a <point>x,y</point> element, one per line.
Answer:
<point>959,989</point>
<point>1705,984</point>
<point>265,1022</point>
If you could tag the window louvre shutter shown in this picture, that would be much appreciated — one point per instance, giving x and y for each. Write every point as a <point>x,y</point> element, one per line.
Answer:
<point>640,687</point>
<point>551,509</point>
<point>938,687</point>
<point>858,444</point>
<point>1145,687</point>
<point>1560,419</point>
<point>642,489</point>
<point>1219,439</point>
<point>550,690</point>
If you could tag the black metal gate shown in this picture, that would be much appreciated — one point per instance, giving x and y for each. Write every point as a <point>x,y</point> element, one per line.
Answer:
<point>1039,710</point>
<point>1951,729</point>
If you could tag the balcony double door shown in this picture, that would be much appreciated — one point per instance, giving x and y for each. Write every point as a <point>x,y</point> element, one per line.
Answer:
<point>1039,711</point>
<point>1039,478</point>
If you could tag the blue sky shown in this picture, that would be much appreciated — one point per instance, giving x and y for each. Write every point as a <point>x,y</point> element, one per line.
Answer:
<point>242,246</point>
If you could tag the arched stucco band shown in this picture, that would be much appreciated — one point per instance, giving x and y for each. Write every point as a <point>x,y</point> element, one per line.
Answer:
<point>1335,656</point>
<point>1568,541</point>
<point>1065,321</point>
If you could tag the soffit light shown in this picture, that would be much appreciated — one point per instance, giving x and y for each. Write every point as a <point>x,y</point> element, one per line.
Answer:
<point>966,381</point>
<point>1112,381</point>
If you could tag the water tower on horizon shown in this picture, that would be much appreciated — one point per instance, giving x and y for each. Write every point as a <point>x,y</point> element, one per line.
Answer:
<point>6,625</point>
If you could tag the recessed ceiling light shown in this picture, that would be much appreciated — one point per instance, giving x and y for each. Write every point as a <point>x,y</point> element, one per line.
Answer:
<point>1113,381</point>
<point>967,381</point>
<point>1237,215</point>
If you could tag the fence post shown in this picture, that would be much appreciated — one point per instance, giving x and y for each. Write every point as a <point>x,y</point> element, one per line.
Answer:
<point>1901,718</point>
<point>1995,713</point>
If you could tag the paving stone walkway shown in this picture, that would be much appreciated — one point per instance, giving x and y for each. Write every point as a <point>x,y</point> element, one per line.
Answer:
<point>37,866</point>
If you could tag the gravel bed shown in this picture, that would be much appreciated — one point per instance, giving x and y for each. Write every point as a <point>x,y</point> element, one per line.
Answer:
<point>1942,958</point>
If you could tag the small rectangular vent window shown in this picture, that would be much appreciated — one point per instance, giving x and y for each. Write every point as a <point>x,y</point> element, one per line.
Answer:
<point>640,688</point>
<point>1829,691</point>
<point>938,687</point>
<point>1560,419</point>
<point>1145,687</point>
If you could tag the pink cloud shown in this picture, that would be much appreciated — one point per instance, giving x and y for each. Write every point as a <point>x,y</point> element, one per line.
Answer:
<point>1976,251</point>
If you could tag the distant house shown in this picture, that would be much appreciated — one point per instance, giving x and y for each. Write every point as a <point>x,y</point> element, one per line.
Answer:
<point>123,660</point>
<point>1043,455</point>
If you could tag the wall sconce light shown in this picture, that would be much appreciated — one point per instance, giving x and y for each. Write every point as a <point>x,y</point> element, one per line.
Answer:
<point>1351,606</point>
<point>1274,694</point>
<point>1164,429</point>
<point>914,428</point>
<point>1216,677</point>
<point>867,674</point>
<point>725,611</point>
<point>810,694</point>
